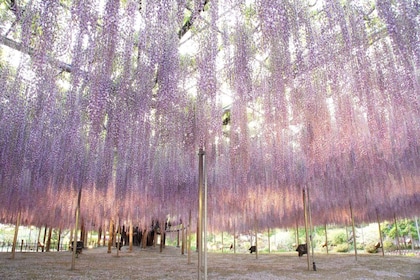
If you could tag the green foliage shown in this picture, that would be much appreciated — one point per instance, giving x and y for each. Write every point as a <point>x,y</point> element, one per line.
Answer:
<point>371,249</point>
<point>360,246</point>
<point>405,227</point>
<point>342,248</point>
<point>249,13</point>
<point>339,238</point>
<point>388,245</point>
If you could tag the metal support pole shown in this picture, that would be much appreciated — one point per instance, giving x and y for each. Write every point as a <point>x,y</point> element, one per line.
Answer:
<point>311,231</point>
<point>306,227</point>
<point>205,219</point>
<point>397,235</point>
<point>326,237</point>
<point>380,233</point>
<point>200,211</point>
<point>189,238</point>
<point>15,235</point>
<point>256,236</point>
<point>73,256</point>
<point>354,231</point>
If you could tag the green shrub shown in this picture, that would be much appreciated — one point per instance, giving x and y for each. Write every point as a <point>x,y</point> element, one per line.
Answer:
<point>360,246</point>
<point>371,249</point>
<point>339,238</point>
<point>342,248</point>
<point>388,245</point>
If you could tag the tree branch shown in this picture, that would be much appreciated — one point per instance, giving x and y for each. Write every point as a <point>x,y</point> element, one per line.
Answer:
<point>29,51</point>
<point>187,25</point>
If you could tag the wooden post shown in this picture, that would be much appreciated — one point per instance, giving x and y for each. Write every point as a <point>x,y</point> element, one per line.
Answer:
<point>326,237</point>
<point>111,235</point>
<point>15,235</point>
<point>306,227</point>
<point>256,237</point>
<point>130,238</point>
<point>48,245</point>
<point>59,239</point>
<point>144,239</point>
<point>104,237</point>
<point>39,238</point>
<point>162,228</point>
<point>85,238</point>
<point>222,242</point>
<point>200,212</point>
<point>99,236</point>
<point>308,200</point>
<point>44,239</point>
<point>269,245</point>
<point>205,219</point>
<point>177,238</point>
<point>186,239</point>
<point>380,233</point>
<point>71,239</point>
<point>196,239</point>
<point>397,235</point>
<point>182,239</point>
<point>189,238</point>
<point>234,238</point>
<point>73,258</point>
<point>154,237</point>
<point>118,237</point>
<point>354,232</point>
<point>163,234</point>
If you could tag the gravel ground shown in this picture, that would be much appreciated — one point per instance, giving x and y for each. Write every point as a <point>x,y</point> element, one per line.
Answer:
<point>150,263</point>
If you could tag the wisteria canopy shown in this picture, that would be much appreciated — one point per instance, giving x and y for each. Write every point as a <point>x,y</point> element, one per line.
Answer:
<point>115,98</point>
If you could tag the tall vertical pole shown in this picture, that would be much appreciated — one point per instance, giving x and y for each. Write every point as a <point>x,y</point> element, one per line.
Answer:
<point>39,238</point>
<point>189,238</point>
<point>200,211</point>
<point>177,238</point>
<point>326,237</point>
<point>48,245</point>
<point>162,229</point>
<point>15,235</point>
<point>205,219</point>
<point>256,236</point>
<point>73,256</point>
<point>45,238</point>
<point>118,236</point>
<point>380,233</point>
<point>397,235</point>
<point>306,227</point>
<point>111,235</point>
<point>130,238</point>
<point>354,232</point>
<point>310,230</point>
<point>59,239</point>
<point>222,241</point>
<point>234,237</point>
<point>182,239</point>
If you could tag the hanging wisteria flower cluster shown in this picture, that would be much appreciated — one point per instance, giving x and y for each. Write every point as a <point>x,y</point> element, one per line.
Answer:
<point>114,98</point>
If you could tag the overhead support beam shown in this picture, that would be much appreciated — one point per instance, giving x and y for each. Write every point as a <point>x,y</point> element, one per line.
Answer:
<point>30,51</point>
